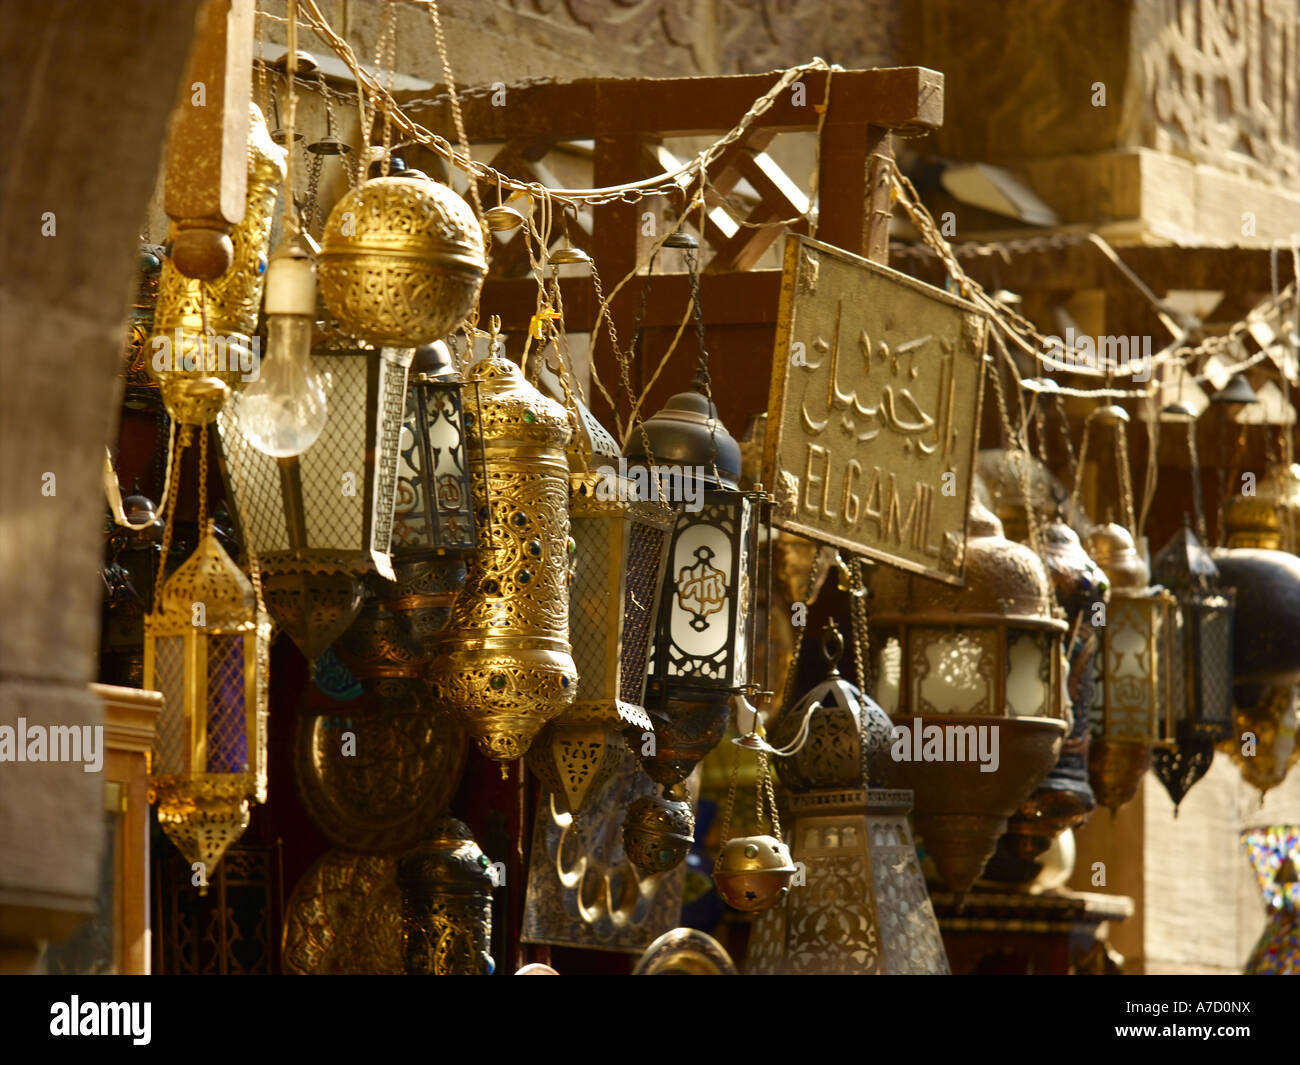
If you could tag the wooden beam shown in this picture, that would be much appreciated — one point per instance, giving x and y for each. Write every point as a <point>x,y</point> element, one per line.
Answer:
<point>898,98</point>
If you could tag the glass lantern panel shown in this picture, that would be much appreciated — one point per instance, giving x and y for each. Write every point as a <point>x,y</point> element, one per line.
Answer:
<point>333,470</point>
<point>171,740</point>
<point>701,611</point>
<point>433,511</point>
<point>1029,672</point>
<point>952,670</point>
<point>1131,635</point>
<point>1214,660</point>
<point>256,480</point>
<point>593,609</point>
<point>889,666</point>
<point>746,594</point>
<point>1172,693</point>
<point>226,705</point>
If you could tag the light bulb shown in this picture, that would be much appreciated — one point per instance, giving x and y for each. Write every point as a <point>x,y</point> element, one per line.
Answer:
<point>283,412</point>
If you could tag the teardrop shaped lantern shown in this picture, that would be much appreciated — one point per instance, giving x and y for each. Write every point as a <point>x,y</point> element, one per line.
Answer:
<point>618,566</point>
<point>955,661</point>
<point>1132,672</point>
<point>207,650</point>
<point>505,664</point>
<point>202,344</point>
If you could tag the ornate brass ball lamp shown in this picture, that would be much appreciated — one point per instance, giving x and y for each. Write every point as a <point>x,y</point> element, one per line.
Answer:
<point>658,831</point>
<point>952,662</point>
<point>207,650</point>
<point>618,566</point>
<point>321,520</point>
<point>505,664</point>
<point>447,884</point>
<point>703,645</point>
<point>1132,671</point>
<point>753,873</point>
<point>1200,708</point>
<point>202,344</point>
<point>862,906</point>
<point>402,261</point>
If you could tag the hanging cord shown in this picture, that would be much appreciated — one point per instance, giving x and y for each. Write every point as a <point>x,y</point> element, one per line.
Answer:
<point>174,482</point>
<point>1197,503</point>
<point>113,490</point>
<point>1125,485</point>
<point>1016,439</point>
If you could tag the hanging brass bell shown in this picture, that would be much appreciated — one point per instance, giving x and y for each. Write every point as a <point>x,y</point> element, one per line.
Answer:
<point>658,832</point>
<point>753,873</point>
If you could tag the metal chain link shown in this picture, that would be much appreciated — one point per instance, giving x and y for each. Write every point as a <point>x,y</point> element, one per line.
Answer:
<point>203,481</point>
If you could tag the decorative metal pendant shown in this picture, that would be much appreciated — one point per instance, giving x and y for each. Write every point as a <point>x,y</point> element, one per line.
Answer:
<point>401,261</point>
<point>658,831</point>
<point>753,873</point>
<point>447,885</point>
<point>505,664</point>
<point>209,761</point>
<point>202,344</point>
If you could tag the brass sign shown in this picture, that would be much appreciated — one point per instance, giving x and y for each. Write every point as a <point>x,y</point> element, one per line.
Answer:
<point>874,412</point>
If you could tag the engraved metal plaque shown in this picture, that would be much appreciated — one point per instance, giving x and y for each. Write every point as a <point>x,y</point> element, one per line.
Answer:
<point>874,412</point>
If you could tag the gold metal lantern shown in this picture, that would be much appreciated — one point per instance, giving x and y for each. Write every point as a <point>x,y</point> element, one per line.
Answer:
<point>447,884</point>
<point>505,663</point>
<point>402,260</point>
<point>1132,672</point>
<point>321,520</point>
<point>618,566</point>
<point>963,669</point>
<point>207,650</point>
<point>658,830</point>
<point>202,345</point>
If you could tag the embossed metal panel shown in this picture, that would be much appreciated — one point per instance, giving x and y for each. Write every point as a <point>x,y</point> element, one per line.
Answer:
<point>877,382</point>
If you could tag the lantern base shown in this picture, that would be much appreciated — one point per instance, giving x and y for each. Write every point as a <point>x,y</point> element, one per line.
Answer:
<point>960,810</point>
<point>685,731</point>
<point>204,814</point>
<point>577,752</point>
<point>313,602</point>
<point>1116,769</point>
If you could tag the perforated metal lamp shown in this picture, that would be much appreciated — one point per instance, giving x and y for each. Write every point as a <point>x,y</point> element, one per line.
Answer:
<point>1132,672</point>
<point>209,758</point>
<point>320,521</point>
<point>618,567</point>
<point>1199,712</point>
<point>703,644</point>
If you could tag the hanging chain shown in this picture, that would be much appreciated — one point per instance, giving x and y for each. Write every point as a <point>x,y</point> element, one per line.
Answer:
<point>175,481</point>
<point>1125,478</point>
<point>203,481</point>
<point>1197,503</point>
<point>457,118</point>
<point>861,655</point>
<point>1015,441</point>
<point>693,273</point>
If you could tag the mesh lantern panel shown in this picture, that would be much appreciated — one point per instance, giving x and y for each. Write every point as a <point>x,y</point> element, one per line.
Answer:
<point>227,721</point>
<point>169,678</point>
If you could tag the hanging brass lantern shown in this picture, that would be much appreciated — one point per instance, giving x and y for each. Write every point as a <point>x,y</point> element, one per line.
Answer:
<point>319,521</point>
<point>1132,672</point>
<point>959,670</point>
<point>447,884</point>
<point>401,261</point>
<point>505,664</point>
<point>753,873</point>
<point>209,759</point>
<point>862,907</point>
<point>618,566</point>
<point>1280,486</point>
<point>202,344</point>
<point>1064,799</point>
<point>658,830</point>
<point>1200,706</point>
<point>702,652</point>
<point>1266,653</point>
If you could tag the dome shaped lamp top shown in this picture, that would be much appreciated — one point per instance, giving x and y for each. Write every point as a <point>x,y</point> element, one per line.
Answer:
<point>688,432</point>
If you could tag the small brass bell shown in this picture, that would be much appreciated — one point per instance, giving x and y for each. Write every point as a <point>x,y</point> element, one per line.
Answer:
<point>753,873</point>
<point>658,831</point>
<point>569,257</point>
<point>503,219</point>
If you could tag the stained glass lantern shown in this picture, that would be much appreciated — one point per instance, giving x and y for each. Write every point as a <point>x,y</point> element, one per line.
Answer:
<point>954,663</point>
<point>321,520</point>
<point>618,566</point>
<point>1133,675</point>
<point>207,650</point>
<point>1274,852</point>
<point>702,652</point>
<point>1200,708</point>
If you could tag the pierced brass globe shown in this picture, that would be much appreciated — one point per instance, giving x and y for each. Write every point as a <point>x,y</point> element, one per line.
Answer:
<point>401,261</point>
<point>753,873</point>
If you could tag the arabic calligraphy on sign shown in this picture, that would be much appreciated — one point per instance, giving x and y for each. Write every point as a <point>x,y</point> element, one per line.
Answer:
<point>876,390</point>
